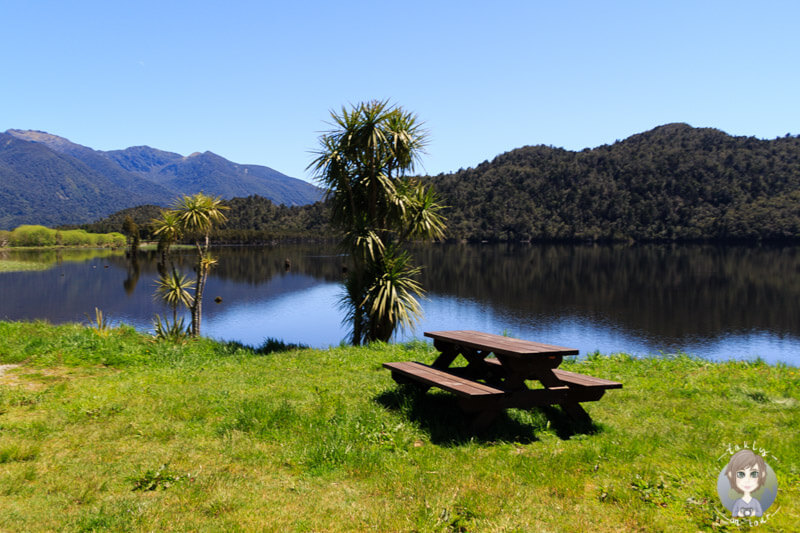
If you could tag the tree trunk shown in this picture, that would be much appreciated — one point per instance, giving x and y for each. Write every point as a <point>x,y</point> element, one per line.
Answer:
<point>197,305</point>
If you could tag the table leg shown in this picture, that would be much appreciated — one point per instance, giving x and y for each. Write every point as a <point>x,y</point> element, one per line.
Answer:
<point>448,354</point>
<point>570,404</point>
<point>577,412</point>
<point>484,419</point>
<point>556,392</point>
<point>476,367</point>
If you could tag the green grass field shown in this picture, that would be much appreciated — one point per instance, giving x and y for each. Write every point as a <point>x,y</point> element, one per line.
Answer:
<point>111,431</point>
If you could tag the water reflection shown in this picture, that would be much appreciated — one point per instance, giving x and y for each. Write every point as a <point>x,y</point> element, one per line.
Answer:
<point>718,302</point>
<point>660,291</point>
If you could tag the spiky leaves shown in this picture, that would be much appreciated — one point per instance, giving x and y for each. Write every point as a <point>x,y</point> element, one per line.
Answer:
<point>168,228</point>
<point>390,299</point>
<point>196,216</point>
<point>173,289</point>
<point>362,162</point>
<point>199,213</point>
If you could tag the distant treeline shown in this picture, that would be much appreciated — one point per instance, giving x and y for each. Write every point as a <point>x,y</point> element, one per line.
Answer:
<point>673,183</point>
<point>251,220</point>
<point>27,235</point>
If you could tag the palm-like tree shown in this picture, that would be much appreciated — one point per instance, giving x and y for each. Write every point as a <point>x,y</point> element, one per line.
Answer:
<point>194,215</point>
<point>173,289</point>
<point>362,162</point>
<point>169,230</point>
<point>197,215</point>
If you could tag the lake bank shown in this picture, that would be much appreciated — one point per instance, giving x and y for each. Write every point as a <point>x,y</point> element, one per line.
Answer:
<point>119,432</point>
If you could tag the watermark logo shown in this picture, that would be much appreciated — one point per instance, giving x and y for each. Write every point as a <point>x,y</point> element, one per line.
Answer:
<point>747,486</point>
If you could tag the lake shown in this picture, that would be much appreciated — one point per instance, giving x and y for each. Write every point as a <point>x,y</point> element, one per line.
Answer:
<point>716,302</point>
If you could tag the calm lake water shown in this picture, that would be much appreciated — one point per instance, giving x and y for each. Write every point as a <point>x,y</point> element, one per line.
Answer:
<point>710,301</point>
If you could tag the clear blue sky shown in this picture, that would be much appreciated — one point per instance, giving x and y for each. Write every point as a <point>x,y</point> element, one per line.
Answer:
<point>254,81</point>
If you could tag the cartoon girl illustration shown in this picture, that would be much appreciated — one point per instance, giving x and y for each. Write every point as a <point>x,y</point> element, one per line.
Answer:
<point>746,472</point>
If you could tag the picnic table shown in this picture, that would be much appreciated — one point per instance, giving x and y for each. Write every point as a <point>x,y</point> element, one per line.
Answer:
<point>488,385</point>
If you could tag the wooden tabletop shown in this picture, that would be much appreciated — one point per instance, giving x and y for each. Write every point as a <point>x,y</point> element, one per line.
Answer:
<point>499,344</point>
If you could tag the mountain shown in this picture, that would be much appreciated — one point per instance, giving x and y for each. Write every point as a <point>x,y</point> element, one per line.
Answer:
<point>36,168</point>
<point>674,182</point>
<point>98,162</point>
<point>41,186</point>
<point>212,174</point>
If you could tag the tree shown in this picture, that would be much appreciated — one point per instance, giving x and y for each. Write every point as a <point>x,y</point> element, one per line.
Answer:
<point>131,229</point>
<point>194,216</point>
<point>362,163</point>
<point>168,229</point>
<point>173,290</point>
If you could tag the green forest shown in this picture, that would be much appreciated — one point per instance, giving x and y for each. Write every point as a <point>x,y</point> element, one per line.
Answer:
<point>251,220</point>
<point>673,183</point>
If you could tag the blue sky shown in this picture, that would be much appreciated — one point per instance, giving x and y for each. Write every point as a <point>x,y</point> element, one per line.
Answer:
<point>254,81</point>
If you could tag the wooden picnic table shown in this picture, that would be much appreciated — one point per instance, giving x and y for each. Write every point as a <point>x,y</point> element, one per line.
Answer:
<point>488,385</point>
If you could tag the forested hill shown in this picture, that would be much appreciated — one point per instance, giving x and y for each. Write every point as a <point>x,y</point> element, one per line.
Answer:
<point>250,220</point>
<point>671,183</point>
<point>674,182</point>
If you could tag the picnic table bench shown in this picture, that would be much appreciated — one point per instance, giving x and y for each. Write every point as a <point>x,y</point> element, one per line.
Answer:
<point>488,385</point>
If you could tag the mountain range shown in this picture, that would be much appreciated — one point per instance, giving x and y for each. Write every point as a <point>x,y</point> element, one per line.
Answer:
<point>47,179</point>
<point>672,183</point>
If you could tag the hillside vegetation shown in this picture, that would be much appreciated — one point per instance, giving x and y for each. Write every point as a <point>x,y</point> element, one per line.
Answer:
<point>251,220</point>
<point>671,183</point>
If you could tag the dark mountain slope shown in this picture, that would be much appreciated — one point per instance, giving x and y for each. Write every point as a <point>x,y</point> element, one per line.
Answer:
<point>143,160</point>
<point>674,182</point>
<point>105,182</point>
<point>40,186</point>
<point>99,162</point>
<point>212,174</point>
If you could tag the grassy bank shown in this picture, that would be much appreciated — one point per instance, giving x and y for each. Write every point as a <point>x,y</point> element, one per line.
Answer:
<point>115,432</point>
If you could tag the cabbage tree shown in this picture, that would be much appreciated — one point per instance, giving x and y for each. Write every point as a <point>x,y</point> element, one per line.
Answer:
<point>194,216</point>
<point>364,163</point>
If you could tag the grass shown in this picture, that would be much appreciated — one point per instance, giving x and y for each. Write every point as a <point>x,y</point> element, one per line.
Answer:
<point>120,433</point>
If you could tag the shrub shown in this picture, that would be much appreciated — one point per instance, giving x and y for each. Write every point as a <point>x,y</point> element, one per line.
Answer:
<point>33,236</point>
<point>42,236</point>
<point>117,239</point>
<point>75,237</point>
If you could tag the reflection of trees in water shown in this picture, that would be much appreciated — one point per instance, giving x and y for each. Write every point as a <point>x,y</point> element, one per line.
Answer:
<point>134,270</point>
<point>664,290</point>
<point>255,264</point>
<point>59,255</point>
